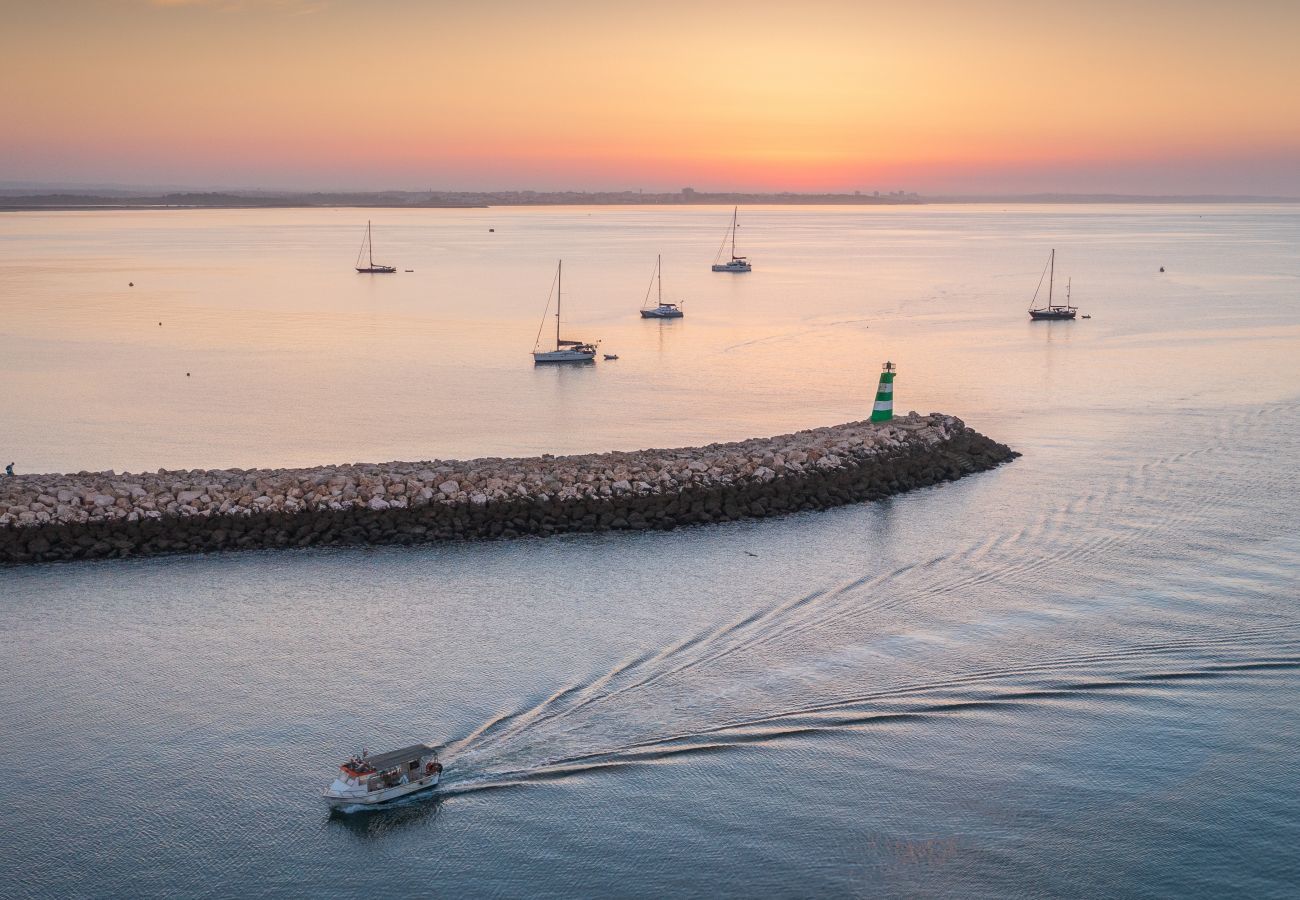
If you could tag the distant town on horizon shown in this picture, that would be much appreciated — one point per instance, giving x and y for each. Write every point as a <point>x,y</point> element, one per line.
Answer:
<point>44,196</point>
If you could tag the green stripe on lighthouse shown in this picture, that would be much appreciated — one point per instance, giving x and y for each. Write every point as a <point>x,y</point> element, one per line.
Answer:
<point>883,411</point>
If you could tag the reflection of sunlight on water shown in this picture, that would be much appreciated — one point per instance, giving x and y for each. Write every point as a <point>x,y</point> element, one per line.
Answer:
<point>304,361</point>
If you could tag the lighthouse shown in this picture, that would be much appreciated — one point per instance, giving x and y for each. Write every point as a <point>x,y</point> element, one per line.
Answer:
<point>883,411</point>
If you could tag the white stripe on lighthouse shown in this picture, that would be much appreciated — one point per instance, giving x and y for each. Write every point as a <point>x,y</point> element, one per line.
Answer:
<point>886,387</point>
<point>882,405</point>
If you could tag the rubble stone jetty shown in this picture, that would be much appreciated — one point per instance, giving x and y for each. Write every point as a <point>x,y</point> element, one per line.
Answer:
<point>97,515</point>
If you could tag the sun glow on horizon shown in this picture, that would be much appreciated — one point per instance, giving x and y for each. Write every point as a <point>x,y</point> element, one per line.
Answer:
<point>836,95</point>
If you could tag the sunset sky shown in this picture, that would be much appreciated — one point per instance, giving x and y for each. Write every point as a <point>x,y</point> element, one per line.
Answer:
<point>954,97</point>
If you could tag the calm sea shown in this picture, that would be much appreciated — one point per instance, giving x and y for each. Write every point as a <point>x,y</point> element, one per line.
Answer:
<point>1074,676</point>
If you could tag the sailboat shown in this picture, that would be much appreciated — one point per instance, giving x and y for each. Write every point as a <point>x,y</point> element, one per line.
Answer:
<point>736,263</point>
<point>663,310</point>
<point>1052,310</point>
<point>368,251</point>
<point>565,351</point>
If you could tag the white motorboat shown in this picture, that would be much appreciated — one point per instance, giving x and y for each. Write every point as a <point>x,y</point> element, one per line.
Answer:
<point>662,310</point>
<point>566,351</point>
<point>369,780</point>
<point>736,263</point>
<point>368,251</point>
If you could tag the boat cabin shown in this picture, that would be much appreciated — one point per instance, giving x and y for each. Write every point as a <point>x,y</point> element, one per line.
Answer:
<point>384,770</point>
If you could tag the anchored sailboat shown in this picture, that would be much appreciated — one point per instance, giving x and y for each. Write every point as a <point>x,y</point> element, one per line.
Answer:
<point>368,251</point>
<point>662,310</point>
<point>736,263</point>
<point>1051,310</point>
<point>565,351</point>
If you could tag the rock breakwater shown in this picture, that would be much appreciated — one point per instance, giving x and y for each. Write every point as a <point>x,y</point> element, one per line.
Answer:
<point>96,515</point>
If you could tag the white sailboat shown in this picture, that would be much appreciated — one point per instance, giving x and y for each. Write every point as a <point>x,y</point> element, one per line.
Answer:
<point>736,263</point>
<point>1052,310</point>
<point>368,251</point>
<point>662,310</point>
<point>565,351</point>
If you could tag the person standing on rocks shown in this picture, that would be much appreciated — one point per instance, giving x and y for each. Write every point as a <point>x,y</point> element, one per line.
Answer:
<point>9,469</point>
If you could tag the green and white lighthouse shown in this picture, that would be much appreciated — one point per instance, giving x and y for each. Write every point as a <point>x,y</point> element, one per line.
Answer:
<point>883,411</point>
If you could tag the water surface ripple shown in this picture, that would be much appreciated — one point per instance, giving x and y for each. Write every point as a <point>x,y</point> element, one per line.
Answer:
<point>1074,676</point>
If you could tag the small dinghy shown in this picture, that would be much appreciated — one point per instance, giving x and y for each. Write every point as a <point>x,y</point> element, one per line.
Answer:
<point>369,780</point>
<point>611,356</point>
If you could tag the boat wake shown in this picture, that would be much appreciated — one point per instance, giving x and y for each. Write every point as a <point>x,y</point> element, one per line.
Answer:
<point>1030,617</point>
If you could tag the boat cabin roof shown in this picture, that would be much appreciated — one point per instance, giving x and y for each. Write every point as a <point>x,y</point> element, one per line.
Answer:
<point>392,758</point>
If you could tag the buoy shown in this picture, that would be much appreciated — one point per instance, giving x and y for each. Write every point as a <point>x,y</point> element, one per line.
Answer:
<point>130,284</point>
<point>491,229</point>
<point>883,411</point>
<point>187,374</point>
<point>1162,268</point>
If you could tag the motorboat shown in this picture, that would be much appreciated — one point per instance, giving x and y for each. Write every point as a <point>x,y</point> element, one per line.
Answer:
<point>661,310</point>
<point>566,351</point>
<point>374,778</point>
<point>735,263</point>
<point>1051,310</point>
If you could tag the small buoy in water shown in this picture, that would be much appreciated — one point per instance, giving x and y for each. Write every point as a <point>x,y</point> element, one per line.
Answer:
<point>491,229</point>
<point>1162,268</point>
<point>130,284</point>
<point>410,270</point>
<point>187,374</point>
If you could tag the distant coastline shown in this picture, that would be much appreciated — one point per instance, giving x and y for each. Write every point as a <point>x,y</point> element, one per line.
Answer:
<point>20,200</point>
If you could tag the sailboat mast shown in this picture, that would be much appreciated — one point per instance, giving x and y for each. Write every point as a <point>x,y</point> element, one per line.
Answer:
<point>659,275</point>
<point>1051,277</point>
<point>735,210</point>
<point>559,290</point>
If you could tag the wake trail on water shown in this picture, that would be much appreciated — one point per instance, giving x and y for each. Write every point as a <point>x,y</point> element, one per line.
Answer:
<point>1003,625</point>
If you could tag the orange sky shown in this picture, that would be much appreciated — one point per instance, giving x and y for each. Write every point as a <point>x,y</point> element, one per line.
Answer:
<point>1152,97</point>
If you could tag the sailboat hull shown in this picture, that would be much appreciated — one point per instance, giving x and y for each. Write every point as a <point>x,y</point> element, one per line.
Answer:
<point>376,270</point>
<point>733,267</point>
<point>661,313</point>
<point>1049,314</point>
<point>564,356</point>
